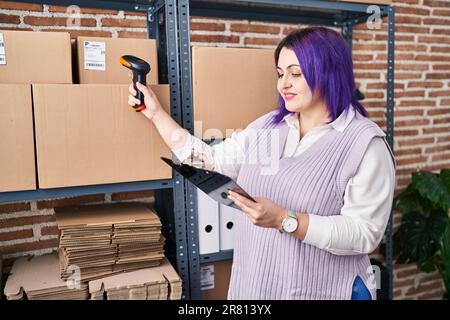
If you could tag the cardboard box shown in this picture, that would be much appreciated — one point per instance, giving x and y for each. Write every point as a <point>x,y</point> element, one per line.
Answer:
<point>107,69</point>
<point>17,165</point>
<point>87,134</point>
<point>35,57</point>
<point>231,88</point>
<point>220,279</point>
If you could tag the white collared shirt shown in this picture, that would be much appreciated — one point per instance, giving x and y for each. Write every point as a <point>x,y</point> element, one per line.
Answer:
<point>368,195</point>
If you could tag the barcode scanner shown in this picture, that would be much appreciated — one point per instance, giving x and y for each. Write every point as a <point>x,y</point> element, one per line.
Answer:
<point>140,68</point>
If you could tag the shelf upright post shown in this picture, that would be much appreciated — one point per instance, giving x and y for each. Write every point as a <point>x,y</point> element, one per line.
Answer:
<point>390,136</point>
<point>188,124</point>
<point>162,26</point>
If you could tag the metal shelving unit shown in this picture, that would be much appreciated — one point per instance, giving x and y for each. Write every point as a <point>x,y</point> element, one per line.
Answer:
<point>168,23</point>
<point>330,13</point>
<point>169,198</point>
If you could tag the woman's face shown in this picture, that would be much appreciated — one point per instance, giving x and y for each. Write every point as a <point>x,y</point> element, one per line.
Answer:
<point>292,85</point>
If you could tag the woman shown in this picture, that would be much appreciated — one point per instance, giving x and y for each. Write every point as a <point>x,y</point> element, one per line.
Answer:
<point>326,204</point>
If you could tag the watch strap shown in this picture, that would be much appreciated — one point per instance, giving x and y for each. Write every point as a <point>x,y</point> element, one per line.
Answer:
<point>292,214</point>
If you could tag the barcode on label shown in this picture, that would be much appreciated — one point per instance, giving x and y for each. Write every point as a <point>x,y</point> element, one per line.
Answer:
<point>207,277</point>
<point>2,58</point>
<point>95,65</point>
<point>2,44</point>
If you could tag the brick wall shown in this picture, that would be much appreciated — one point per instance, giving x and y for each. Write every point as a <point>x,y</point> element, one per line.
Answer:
<point>422,102</point>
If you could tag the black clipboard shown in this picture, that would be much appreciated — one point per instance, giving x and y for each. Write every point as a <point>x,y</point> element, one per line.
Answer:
<point>214,184</point>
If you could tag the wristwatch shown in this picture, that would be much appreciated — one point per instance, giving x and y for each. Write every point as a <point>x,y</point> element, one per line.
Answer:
<point>290,223</point>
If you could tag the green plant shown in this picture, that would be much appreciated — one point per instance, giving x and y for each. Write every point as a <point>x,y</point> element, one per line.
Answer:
<point>424,233</point>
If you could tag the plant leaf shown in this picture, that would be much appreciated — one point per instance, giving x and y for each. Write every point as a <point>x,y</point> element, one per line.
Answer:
<point>445,178</point>
<point>430,264</point>
<point>411,200</point>
<point>444,266</point>
<point>430,186</point>
<point>419,236</point>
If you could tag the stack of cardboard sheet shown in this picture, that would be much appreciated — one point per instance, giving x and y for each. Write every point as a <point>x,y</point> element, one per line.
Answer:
<point>158,283</point>
<point>174,281</point>
<point>38,278</point>
<point>108,239</point>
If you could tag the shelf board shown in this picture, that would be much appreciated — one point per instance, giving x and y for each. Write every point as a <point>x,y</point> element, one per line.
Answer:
<point>41,194</point>
<point>285,11</point>
<point>376,2</point>
<point>218,256</point>
<point>130,5</point>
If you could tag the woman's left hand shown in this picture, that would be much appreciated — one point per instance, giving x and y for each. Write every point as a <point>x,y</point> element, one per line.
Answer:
<point>263,213</point>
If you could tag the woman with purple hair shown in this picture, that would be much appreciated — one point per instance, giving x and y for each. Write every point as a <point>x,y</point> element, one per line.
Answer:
<point>323,203</point>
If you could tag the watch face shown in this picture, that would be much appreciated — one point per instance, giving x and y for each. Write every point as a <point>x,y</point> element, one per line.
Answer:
<point>290,225</point>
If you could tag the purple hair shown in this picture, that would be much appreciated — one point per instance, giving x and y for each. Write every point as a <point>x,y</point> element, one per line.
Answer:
<point>327,66</point>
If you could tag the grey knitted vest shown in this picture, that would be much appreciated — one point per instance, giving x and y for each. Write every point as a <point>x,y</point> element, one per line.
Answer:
<point>271,265</point>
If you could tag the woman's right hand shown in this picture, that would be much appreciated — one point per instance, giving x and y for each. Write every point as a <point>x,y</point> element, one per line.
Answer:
<point>152,105</point>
